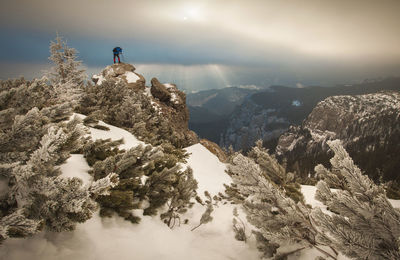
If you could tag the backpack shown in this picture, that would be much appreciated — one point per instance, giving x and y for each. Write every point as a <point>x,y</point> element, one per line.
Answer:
<point>117,50</point>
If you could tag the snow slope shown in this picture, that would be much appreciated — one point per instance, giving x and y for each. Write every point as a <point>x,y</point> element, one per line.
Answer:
<point>76,166</point>
<point>115,133</point>
<point>207,170</point>
<point>115,238</point>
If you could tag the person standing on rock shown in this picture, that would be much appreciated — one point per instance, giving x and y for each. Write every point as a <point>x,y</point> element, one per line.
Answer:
<point>117,51</point>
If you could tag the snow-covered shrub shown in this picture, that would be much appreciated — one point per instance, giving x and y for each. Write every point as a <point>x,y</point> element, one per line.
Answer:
<point>19,141</point>
<point>17,225</point>
<point>239,227</point>
<point>364,224</point>
<point>149,178</point>
<point>18,96</point>
<point>37,196</point>
<point>279,219</point>
<point>115,103</point>
<point>184,189</point>
<point>100,149</point>
<point>275,171</point>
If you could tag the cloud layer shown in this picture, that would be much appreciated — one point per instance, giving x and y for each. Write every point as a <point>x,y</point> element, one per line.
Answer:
<point>267,33</point>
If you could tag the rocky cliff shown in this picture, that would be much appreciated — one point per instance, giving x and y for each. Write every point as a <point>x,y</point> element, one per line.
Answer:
<point>251,122</point>
<point>267,114</point>
<point>368,126</point>
<point>157,112</point>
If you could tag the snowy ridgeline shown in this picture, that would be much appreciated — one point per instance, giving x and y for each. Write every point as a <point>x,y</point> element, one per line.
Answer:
<point>115,238</point>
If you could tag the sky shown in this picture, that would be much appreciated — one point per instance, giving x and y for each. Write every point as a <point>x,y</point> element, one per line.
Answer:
<point>204,44</point>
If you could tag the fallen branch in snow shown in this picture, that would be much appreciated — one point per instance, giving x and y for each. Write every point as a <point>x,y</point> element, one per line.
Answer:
<point>206,217</point>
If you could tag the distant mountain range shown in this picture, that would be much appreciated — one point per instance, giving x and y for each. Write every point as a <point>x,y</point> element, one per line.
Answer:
<point>239,117</point>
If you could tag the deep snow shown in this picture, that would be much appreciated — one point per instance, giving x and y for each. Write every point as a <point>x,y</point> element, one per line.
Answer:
<point>115,238</point>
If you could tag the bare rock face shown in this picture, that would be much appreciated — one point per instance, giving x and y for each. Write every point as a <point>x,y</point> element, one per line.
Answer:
<point>172,105</point>
<point>215,149</point>
<point>159,91</point>
<point>121,72</point>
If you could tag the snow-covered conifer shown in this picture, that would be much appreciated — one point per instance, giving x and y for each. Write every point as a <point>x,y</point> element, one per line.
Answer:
<point>275,171</point>
<point>115,103</point>
<point>100,149</point>
<point>279,219</point>
<point>18,96</point>
<point>363,223</point>
<point>38,195</point>
<point>132,167</point>
<point>183,191</point>
<point>17,225</point>
<point>239,227</point>
<point>66,77</point>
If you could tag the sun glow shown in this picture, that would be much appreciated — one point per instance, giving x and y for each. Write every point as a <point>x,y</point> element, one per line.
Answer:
<point>193,13</point>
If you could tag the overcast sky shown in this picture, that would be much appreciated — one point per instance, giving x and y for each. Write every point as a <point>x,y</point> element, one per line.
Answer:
<point>341,39</point>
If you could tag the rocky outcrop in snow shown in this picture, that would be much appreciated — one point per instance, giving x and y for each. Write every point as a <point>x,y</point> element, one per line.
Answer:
<point>215,149</point>
<point>120,96</point>
<point>121,72</point>
<point>368,126</point>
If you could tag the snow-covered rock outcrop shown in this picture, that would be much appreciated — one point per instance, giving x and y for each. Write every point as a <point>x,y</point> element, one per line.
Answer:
<point>122,72</point>
<point>120,96</point>
<point>368,126</point>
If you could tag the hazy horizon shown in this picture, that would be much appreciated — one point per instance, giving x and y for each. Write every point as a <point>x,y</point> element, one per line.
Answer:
<point>207,44</point>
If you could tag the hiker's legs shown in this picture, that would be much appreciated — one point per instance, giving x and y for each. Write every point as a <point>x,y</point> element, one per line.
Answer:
<point>119,61</point>
<point>114,57</point>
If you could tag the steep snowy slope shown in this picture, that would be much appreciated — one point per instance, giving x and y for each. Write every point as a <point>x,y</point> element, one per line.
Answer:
<point>115,238</point>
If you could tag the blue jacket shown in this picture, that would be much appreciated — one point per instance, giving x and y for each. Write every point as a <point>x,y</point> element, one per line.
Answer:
<point>117,50</point>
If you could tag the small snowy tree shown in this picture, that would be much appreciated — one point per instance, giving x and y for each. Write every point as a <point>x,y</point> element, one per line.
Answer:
<point>39,197</point>
<point>17,225</point>
<point>279,219</point>
<point>206,217</point>
<point>239,227</point>
<point>65,76</point>
<point>275,171</point>
<point>131,166</point>
<point>364,224</point>
<point>18,96</point>
<point>149,178</point>
<point>184,190</point>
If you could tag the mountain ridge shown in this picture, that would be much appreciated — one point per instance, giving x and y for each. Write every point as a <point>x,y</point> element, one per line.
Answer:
<point>368,126</point>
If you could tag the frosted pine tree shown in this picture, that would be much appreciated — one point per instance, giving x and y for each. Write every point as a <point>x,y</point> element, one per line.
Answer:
<point>183,191</point>
<point>279,219</point>
<point>363,225</point>
<point>65,76</point>
<point>17,225</point>
<point>276,172</point>
<point>38,197</point>
<point>18,96</point>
